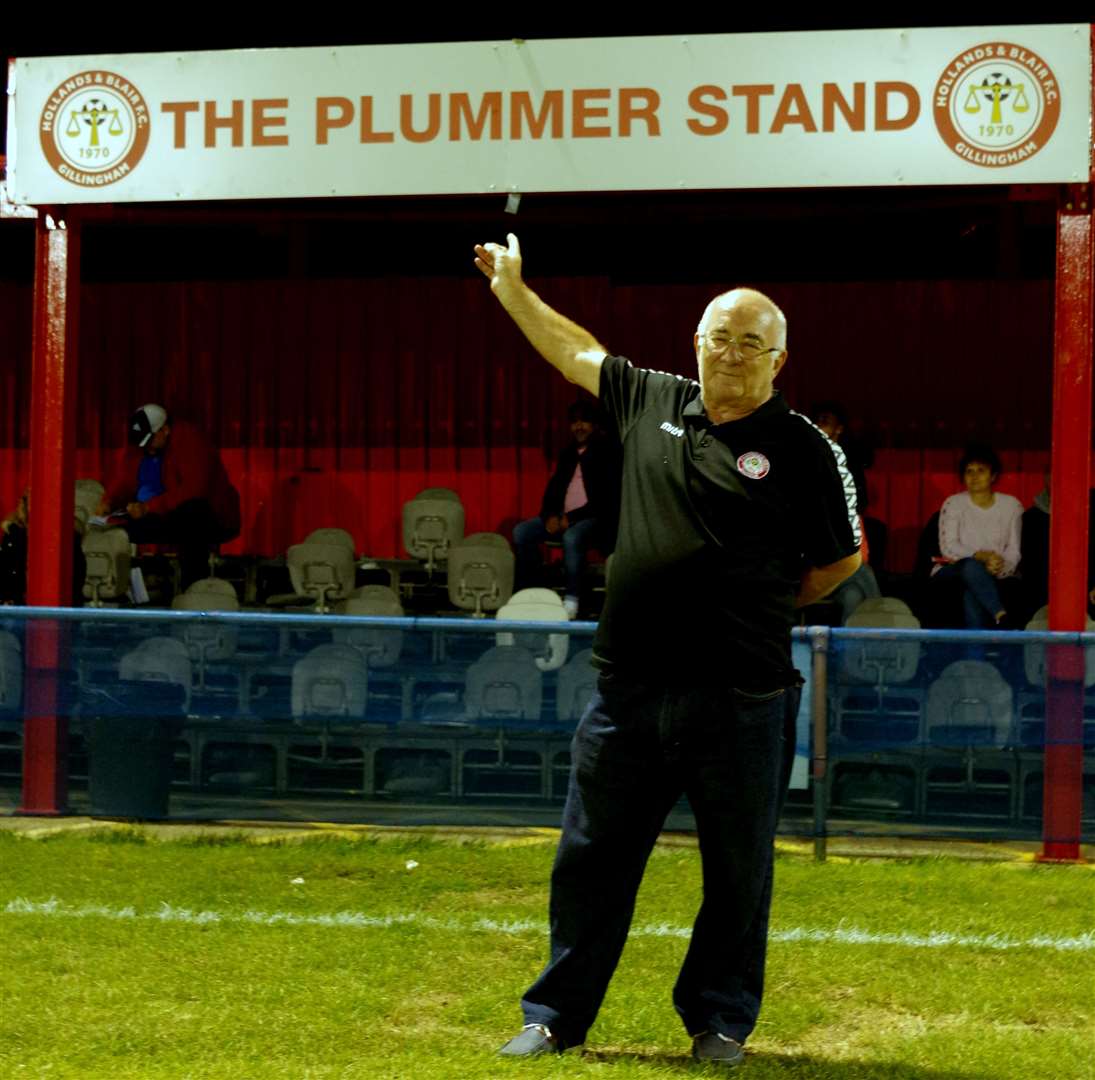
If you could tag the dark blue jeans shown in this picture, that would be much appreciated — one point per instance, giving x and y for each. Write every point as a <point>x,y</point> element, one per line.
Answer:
<point>636,750</point>
<point>980,595</point>
<point>530,534</point>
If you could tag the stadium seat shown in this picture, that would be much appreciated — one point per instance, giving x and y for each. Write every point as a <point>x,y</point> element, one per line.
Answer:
<point>380,645</point>
<point>577,682</point>
<point>480,573</point>
<point>330,682</point>
<point>1031,700</point>
<point>890,710</point>
<point>970,766</point>
<point>323,566</point>
<point>88,495</point>
<point>11,673</point>
<point>504,687</point>
<point>107,554</point>
<point>159,659</point>
<point>216,587</point>
<point>536,605</point>
<point>432,522</point>
<point>969,704</point>
<point>208,640</point>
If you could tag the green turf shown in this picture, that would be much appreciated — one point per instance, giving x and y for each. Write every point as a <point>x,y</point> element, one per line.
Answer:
<point>99,996</point>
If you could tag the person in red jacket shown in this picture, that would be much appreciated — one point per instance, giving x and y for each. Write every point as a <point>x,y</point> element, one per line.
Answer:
<point>171,487</point>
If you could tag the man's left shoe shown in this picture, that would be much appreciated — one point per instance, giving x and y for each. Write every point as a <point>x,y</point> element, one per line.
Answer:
<point>531,1041</point>
<point>721,1049</point>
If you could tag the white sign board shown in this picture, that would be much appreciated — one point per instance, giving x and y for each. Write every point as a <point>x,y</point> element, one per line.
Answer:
<point>858,108</point>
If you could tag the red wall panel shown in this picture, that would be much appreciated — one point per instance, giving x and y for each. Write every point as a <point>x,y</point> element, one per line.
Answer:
<point>336,400</point>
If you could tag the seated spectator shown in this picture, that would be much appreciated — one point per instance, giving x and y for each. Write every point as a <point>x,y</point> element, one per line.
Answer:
<point>13,556</point>
<point>171,487</point>
<point>832,418</point>
<point>1034,567</point>
<point>580,506</point>
<point>979,535</point>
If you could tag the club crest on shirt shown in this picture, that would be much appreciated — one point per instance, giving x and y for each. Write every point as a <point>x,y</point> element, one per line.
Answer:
<point>753,464</point>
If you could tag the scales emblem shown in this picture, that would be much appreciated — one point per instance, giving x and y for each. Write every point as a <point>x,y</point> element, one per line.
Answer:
<point>997,104</point>
<point>94,128</point>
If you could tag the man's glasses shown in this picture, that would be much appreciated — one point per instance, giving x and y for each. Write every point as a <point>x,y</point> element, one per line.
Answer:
<point>747,349</point>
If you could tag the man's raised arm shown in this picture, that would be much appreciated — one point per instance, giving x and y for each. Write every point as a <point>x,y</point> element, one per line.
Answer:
<point>563,344</point>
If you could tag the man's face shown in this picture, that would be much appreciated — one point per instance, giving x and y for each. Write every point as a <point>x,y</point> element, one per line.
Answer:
<point>739,356</point>
<point>830,425</point>
<point>158,440</point>
<point>979,478</point>
<point>581,430</point>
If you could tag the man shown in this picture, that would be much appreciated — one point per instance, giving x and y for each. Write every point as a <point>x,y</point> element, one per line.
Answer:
<point>171,487</point>
<point>734,509</point>
<point>579,508</point>
<point>1034,565</point>
<point>832,418</point>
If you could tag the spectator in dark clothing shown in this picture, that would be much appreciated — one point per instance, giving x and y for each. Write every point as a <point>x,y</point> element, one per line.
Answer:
<point>832,418</point>
<point>172,485</point>
<point>580,507</point>
<point>1034,567</point>
<point>13,557</point>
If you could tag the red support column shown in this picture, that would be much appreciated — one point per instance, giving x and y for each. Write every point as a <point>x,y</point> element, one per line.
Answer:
<point>49,570</point>
<point>1069,484</point>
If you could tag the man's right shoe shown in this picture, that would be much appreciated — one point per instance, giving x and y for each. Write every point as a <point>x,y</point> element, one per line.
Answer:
<point>721,1049</point>
<point>532,1039</point>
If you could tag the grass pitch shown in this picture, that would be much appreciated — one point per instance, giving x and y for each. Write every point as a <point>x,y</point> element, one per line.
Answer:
<point>128,956</point>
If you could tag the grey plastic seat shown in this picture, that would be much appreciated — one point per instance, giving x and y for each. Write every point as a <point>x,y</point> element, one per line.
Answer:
<point>432,522</point>
<point>11,673</point>
<point>970,703</point>
<point>159,659</point>
<point>323,566</point>
<point>881,662</point>
<point>339,537</point>
<point>576,683</point>
<point>215,587</point>
<point>536,605</point>
<point>1034,653</point>
<point>380,645</point>
<point>331,682</point>
<point>88,495</point>
<point>208,640</point>
<point>481,568</point>
<point>875,695</point>
<point>504,684</point>
<point>107,555</point>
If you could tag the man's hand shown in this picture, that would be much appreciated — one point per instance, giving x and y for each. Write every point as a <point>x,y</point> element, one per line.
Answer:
<point>136,510</point>
<point>565,345</point>
<point>553,525</point>
<point>502,265</point>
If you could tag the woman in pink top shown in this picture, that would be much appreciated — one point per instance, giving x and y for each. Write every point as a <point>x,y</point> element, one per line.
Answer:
<point>979,532</point>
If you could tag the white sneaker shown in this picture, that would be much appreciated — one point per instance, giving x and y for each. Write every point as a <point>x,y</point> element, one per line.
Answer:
<point>570,606</point>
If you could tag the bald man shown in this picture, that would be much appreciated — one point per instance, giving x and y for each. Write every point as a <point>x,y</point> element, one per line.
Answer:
<point>734,511</point>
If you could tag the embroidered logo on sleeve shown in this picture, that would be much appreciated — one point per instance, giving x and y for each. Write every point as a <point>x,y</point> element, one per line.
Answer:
<point>753,464</point>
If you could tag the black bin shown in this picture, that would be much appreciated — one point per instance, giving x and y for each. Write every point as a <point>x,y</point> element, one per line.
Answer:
<point>130,755</point>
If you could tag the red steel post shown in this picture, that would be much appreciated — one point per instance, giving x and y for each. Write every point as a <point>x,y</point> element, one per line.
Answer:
<point>49,569</point>
<point>1069,485</point>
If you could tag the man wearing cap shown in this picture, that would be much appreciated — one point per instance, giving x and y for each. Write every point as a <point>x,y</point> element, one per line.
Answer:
<point>172,485</point>
<point>734,511</point>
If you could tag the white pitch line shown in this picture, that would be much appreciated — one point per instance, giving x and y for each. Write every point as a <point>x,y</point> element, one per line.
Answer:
<point>843,935</point>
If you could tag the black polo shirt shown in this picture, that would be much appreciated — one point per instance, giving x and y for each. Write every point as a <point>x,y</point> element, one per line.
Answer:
<point>717,523</point>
